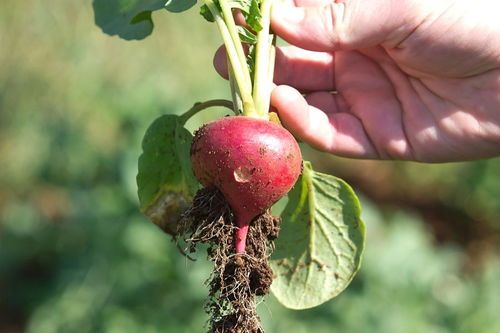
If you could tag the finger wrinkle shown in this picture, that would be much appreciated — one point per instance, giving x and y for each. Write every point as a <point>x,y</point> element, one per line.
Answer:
<point>336,26</point>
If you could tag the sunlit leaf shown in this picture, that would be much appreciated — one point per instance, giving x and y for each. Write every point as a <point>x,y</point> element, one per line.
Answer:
<point>177,6</point>
<point>246,36</point>
<point>243,5</point>
<point>131,19</point>
<point>253,16</point>
<point>165,180</point>
<point>206,13</point>
<point>321,242</point>
<point>250,10</point>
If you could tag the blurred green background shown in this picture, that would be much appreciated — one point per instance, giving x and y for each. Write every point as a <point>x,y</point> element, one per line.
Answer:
<point>77,256</point>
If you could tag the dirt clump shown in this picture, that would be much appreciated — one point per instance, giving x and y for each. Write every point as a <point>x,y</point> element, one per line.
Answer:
<point>237,279</point>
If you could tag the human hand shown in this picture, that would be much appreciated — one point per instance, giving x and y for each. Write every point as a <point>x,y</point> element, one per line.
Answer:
<point>414,80</point>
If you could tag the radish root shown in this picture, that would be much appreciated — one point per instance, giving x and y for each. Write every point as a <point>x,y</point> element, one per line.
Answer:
<point>237,279</point>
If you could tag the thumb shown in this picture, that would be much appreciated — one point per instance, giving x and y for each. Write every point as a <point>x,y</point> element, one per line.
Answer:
<point>346,24</point>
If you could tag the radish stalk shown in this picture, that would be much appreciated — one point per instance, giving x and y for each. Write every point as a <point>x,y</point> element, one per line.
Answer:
<point>235,93</point>
<point>197,107</point>
<point>238,63</point>
<point>263,78</point>
<point>233,31</point>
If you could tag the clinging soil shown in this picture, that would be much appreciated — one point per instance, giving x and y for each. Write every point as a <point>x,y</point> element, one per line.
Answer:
<point>237,279</point>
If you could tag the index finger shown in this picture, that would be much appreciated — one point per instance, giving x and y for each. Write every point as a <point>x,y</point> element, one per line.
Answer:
<point>302,69</point>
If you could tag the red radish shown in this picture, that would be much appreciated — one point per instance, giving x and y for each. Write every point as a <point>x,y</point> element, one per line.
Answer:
<point>253,162</point>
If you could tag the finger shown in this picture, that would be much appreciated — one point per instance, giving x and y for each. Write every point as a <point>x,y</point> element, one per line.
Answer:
<point>220,62</point>
<point>240,18</point>
<point>307,3</point>
<point>302,69</point>
<point>334,131</point>
<point>345,25</point>
<point>372,98</point>
<point>326,101</point>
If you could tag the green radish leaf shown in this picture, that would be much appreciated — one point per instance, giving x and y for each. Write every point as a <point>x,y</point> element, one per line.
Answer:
<point>319,248</point>
<point>165,180</point>
<point>131,19</point>
<point>250,10</point>
<point>143,16</point>
<point>206,13</point>
<point>253,16</point>
<point>251,60</point>
<point>127,19</point>
<point>246,35</point>
<point>243,5</point>
<point>177,6</point>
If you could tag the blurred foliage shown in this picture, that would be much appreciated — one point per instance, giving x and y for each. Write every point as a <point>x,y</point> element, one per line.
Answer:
<point>76,255</point>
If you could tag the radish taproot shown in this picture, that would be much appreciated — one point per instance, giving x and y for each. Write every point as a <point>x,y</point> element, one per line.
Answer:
<point>253,162</point>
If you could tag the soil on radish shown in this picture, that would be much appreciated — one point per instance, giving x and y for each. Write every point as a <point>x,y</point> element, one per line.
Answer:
<point>237,279</point>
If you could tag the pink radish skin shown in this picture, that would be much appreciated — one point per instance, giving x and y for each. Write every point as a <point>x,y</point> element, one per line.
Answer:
<point>253,162</point>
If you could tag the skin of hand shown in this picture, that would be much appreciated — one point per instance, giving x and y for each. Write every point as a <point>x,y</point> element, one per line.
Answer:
<point>390,79</point>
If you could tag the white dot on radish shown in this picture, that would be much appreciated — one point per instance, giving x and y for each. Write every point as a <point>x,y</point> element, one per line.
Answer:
<point>243,174</point>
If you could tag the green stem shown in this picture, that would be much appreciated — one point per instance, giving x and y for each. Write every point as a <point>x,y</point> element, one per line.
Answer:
<point>235,93</point>
<point>197,107</point>
<point>238,64</point>
<point>235,36</point>
<point>266,94</point>
<point>263,78</point>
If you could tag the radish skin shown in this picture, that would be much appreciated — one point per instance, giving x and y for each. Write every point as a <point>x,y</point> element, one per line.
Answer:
<point>253,162</point>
